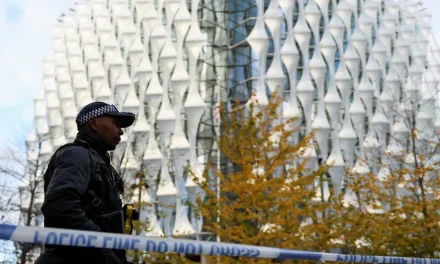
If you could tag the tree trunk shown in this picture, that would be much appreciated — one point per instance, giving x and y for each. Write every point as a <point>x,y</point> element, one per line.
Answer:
<point>23,254</point>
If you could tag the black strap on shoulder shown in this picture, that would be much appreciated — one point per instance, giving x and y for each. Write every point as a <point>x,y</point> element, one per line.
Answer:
<point>99,206</point>
<point>118,179</point>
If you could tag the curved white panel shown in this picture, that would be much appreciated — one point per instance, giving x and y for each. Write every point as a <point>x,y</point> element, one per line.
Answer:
<point>349,73</point>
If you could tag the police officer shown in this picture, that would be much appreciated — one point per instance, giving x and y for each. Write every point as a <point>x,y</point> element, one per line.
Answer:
<point>82,189</point>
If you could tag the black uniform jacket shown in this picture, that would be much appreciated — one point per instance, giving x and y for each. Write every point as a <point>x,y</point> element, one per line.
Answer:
<point>65,196</point>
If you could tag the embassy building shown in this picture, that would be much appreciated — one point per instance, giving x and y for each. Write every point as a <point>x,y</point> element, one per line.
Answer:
<point>351,70</point>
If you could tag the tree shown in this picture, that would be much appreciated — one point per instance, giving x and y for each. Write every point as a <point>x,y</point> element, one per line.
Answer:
<point>7,216</point>
<point>23,175</point>
<point>271,193</point>
<point>272,197</point>
<point>138,192</point>
<point>395,211</point>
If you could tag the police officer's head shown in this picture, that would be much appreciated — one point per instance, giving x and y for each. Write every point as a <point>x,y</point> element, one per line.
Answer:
<point>105,121</point>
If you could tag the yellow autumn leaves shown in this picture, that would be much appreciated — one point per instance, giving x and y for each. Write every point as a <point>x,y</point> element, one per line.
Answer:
<point>271,194</point>
<point>273,198</point>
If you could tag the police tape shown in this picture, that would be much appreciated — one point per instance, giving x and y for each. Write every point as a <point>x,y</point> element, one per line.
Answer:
<point>79,238</point>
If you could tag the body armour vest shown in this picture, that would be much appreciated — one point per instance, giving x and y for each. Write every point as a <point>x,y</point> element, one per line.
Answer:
<point>102,203</point>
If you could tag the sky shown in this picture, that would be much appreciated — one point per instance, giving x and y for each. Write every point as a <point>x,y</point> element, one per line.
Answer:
<point>26,30</point>
<point>26,34</point>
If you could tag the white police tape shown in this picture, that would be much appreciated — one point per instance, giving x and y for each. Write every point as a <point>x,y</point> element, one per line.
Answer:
<point>67,237</point>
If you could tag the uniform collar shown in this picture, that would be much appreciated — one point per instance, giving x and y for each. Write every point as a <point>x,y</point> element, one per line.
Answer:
<point>94,142</point>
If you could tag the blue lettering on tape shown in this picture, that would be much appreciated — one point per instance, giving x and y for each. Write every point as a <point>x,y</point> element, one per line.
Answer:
<point>62,236</point>
<point>80,240</point>
<point>224,251</point>
<point>72,237</point>
<point>291,254</point>
<point>54,238</point>
<point>51,239</point>
<point>179,247</point>
<point>90,241</point>
<point>36,238</point>
<point>151,246</point>
<point>117,242</point>
<point>134,243</point>
<point>126,244</point>
<point>190,249</point>
<point>234,251</point>
<point>106,240</point>
<point>254,253</point>
<point>245,252</point>
<point>362,259</point>
<point>215,250</point>
<point>162,247</point>
<point>187,248</point>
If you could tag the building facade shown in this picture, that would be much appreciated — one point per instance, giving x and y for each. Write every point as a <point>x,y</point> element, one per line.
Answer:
<point>350,70</point>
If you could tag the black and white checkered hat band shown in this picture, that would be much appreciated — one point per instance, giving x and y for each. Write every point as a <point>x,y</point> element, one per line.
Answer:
<point>96,113</point>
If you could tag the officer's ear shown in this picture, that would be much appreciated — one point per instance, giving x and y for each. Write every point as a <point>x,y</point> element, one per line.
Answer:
<point>93,125</point>
<point>86,128</point>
